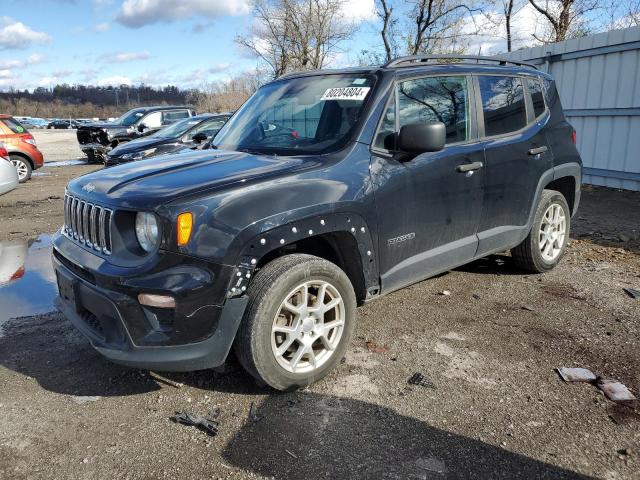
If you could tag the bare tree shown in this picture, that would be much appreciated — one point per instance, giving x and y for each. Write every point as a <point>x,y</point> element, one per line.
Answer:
<point>384,10</point>
<point>296,34</point>
<point>566,17</point>
<point>622,14</point>
<point>437,25</point>
<point>226,95</point>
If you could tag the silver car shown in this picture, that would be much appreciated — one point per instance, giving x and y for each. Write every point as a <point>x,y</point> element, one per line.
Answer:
<point>8,173</point>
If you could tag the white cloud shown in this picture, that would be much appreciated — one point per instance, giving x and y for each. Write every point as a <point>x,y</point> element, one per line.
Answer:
<point>114,81</point>
<point>11,63</point>
<point>6,73</point>
<point>359,10</point>
<point>138,13</point>
<point>122,57</point>
<point>101,27</point>
<point>35,59</point>
<point>48,81</point>
<point>491,37</point>
<point>14,35</point>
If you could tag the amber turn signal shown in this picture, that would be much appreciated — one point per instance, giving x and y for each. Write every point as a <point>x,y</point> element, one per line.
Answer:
<point>185,224</point>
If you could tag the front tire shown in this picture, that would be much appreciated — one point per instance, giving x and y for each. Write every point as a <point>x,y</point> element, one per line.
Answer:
<point>547,241</point>
<point>23,167</point>
<point>298,323</point>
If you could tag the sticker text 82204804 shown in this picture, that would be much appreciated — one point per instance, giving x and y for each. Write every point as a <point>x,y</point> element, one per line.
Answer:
<point>345,93</point>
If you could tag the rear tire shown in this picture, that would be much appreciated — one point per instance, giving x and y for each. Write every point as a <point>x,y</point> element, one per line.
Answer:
<point>23,167</point>
<point>288,350</point>
<point>547,241</point>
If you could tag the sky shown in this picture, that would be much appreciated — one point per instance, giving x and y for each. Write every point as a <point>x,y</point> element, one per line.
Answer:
<point>187,43</point>
<point>111,42</point>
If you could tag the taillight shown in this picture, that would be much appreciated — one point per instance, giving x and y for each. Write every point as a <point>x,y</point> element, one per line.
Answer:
<point>4,154</point>
<point>18,274</point>
<point>28,139</point>
<point>574,137</point>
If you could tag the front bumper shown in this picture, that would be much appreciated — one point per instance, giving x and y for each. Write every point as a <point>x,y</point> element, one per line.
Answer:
<point>96,149</point>
<point>128,333</point>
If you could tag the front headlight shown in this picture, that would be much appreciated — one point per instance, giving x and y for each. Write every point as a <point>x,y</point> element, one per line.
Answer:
<point>147,230</point>
<point>139,155</point>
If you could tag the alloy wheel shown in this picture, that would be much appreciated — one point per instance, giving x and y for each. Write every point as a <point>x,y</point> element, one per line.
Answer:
<point>308,326</point>
<point>553,230</point>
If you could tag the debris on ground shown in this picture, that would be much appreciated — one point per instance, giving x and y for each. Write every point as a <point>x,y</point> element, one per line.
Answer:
<point>420,380</point>
<point>373,347</point>
<point>614,390</point>
<point>82,399</point>
<point>633,293</point>
<point>527,308</point>
<point>576,374</point>
<point>165,380</point>
<point>291,453</point>
<point>254,416</point>
<point>209,426</point>
<point>446,293</point>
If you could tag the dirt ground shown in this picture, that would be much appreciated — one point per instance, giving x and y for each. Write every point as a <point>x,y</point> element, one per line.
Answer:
<point>496,407</point>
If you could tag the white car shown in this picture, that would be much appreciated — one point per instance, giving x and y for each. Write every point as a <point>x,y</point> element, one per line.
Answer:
<point>8,173</point>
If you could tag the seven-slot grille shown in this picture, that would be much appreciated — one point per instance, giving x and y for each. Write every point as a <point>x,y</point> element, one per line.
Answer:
<point>88,223</point>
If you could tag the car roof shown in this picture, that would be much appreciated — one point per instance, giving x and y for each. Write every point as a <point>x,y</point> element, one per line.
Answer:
<point>441,65</point>
<point>204,116</point>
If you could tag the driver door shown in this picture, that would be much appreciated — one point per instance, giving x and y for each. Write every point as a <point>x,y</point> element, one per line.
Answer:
<point>428,206</point>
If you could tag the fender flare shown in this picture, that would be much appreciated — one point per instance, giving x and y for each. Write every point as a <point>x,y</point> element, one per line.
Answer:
<point>274,238</point>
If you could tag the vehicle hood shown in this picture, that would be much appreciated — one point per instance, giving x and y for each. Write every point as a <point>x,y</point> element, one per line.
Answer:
<point>150,183</point>
<point>139,144</point>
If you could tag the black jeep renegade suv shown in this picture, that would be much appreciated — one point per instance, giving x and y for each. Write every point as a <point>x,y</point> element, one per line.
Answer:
<point>327,189</point>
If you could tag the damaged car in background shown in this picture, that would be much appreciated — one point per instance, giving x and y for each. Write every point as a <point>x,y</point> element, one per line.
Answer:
<point>190,133</point>
<point>97,139</point>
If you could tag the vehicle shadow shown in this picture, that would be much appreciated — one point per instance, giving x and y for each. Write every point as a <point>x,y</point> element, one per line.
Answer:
<point>498,264</point>
<point>318,437</point>
<point>48,349</point>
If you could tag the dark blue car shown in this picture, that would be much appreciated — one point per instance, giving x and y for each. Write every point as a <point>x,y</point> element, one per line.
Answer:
<point>327,189</point>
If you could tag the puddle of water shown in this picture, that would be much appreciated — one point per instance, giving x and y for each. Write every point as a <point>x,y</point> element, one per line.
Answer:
<point>64,163</point>
<point>27,280</point>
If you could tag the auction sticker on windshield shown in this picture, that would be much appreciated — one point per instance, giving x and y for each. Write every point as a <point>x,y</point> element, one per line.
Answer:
<point>345,93</point>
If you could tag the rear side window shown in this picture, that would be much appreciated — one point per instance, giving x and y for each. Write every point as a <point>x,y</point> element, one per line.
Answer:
<point>436,99</point>
<point>503,104</point>
<point>537,96</point>
<point>172,116</point>
<point>13,125</point>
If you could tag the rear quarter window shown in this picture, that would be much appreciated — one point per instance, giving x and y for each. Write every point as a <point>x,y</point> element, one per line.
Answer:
<point>13,125</point>
<point>537,96</point>
<point>503,104</point>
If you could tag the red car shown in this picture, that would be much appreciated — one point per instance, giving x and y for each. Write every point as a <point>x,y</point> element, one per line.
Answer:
<point>21,146</point>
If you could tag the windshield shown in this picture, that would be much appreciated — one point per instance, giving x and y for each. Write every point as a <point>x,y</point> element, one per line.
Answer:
<point>298,116</point>
<point>131,117</point>
<point>176,129</point>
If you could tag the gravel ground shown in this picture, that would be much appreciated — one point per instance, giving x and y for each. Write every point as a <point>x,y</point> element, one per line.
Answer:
<point>496,408</point>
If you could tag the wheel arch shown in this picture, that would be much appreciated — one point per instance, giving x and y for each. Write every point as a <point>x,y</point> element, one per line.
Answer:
<point>18,153</point>
<point>343,239</point>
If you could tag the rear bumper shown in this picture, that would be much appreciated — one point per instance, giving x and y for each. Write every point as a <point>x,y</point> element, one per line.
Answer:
<point>196,337</point>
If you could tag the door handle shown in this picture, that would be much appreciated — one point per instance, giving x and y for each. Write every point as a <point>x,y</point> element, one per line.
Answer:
<point>469,167</point>
<point>537,151</point>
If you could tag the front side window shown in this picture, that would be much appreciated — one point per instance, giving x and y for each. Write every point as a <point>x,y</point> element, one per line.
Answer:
<point>502,104</point>
<point>153,120</point>
<point>209,128</point>
<point>436,99</point>
<point>305,115</point>
<point>386,136</point>
<point>176,129</point>
<point>537,96</point>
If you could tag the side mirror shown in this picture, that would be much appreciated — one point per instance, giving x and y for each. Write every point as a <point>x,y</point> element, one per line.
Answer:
<point>422,137</point>
<point>142,127</point>
<point>199,137</point>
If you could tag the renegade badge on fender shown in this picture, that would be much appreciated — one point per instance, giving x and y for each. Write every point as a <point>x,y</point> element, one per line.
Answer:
<point>327,189</point>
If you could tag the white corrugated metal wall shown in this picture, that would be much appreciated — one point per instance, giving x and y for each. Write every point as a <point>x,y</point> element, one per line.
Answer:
<point>598,78</point>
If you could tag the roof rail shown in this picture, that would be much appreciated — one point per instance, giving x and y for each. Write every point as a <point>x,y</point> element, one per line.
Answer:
<point>412,60</point>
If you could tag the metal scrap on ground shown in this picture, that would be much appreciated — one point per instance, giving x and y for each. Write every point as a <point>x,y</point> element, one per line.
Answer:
<point>419,379</point>
<point>254,417</point>
<point>633,293</point>
<point>576,374</point>
<point>614,390</point>
<point>210,427</point>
